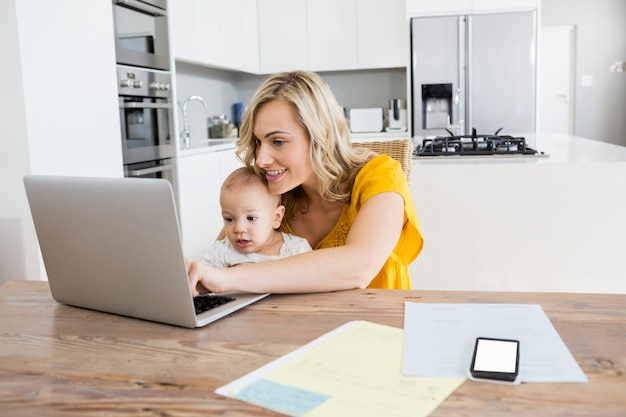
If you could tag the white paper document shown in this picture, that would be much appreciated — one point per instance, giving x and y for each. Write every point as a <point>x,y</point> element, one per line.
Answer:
<point>439,340</point>
<point>353,370</point>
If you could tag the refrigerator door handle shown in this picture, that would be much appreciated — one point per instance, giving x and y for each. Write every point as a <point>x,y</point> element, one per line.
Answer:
<point>461,51</point>
<point>469,123</point>
<point>463,70</point>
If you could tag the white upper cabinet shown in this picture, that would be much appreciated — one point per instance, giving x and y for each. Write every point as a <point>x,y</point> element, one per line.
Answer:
<point>206,27</point>
<point>503,5</point>
<point>268,36</point>
<point>218,33</point>
<point>283,44</point>
<point>237,40</point>
<point>182,33</point>
<point>382,34</point>
<point>430,7</point>
<point>247,49</point>
<point>443,7</point>
<point>332,35</point>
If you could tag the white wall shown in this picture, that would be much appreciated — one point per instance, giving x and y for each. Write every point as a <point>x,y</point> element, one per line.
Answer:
<point>367,88</point>
<point>222,88</point>
<point>600,41</point>
<point>58,113</point>
<point>14,157</point>
<point>359,88</point>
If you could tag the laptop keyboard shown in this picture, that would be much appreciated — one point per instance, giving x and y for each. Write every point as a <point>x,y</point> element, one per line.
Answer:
<point>204,303</point>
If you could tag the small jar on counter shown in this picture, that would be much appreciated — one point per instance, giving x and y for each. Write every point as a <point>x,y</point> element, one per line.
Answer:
<point>220,127</point>
<point>217,126</point>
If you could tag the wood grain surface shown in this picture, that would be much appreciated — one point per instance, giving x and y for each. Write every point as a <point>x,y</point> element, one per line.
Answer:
<point>57,360</point>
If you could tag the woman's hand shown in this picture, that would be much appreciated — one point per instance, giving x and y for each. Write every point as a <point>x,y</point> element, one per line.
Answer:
<point>204,276</point>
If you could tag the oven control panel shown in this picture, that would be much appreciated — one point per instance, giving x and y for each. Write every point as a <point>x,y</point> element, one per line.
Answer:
<point>139,82</point>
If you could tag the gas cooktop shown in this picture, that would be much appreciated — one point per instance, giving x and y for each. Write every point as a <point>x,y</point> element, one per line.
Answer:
<point>475,145</point>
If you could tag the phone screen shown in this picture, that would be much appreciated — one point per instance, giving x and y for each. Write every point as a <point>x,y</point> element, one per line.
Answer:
<point>495,359</point>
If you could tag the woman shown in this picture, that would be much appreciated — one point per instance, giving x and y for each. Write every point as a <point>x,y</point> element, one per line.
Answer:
<point>353,207</point>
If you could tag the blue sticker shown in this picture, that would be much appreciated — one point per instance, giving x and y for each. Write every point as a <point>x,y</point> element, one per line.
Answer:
<point>280,397</point>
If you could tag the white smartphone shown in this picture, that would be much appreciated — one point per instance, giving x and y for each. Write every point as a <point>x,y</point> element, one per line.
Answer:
<point>495,359</point>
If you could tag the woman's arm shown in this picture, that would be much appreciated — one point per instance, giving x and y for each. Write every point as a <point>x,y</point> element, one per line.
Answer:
<point>370,241</point>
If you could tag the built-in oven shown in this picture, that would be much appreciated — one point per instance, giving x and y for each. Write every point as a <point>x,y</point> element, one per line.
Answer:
<point>146,121</point>
<point>162,168</point>
<point>141,35</point>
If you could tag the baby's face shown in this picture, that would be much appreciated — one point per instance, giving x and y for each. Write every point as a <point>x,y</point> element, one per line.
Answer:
<point>250,217</point>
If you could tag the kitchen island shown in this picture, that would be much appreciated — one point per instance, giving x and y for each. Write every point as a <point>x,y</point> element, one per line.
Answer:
<point>555,223</point>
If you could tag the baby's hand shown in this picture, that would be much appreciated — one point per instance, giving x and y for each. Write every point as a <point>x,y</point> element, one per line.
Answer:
<point>195,273</point>
<point>205,277</point>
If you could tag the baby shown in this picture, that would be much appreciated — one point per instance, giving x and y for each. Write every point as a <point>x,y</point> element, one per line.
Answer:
<point>251,216</point>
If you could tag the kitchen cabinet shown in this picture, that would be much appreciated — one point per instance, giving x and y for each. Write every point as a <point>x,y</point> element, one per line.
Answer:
<point>441,7</point>
<point>198,29</point>
<point>282,35</point>
<point>332,35</point>
<point>283,41</point>
<point>500,5</point>
<point>247,45</point>
<point>228,162</point>
<point>423,8</point>
<point>200,178</point>
<point>181,26</point>
<point>206,32</point>
<point>382,34</point>
<point>198,209</point>
<point>239,48</point>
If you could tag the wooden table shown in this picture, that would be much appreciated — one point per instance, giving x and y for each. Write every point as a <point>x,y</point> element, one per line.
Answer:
<point>60,360</point>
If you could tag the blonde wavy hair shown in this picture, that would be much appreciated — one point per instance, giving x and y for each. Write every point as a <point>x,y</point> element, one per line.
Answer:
<point>333,158</point>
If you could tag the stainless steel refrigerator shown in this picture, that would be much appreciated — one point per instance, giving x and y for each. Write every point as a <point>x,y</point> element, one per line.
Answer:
<point>474,71</point>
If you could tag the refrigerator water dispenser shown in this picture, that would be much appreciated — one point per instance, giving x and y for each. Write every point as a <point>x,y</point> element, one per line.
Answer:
<point>436,105</point>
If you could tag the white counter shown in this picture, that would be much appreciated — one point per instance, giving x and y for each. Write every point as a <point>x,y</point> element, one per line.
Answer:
<point>572,149</point>
<point>208,145</point>
<point>200,146</point>
<point>538,224</point>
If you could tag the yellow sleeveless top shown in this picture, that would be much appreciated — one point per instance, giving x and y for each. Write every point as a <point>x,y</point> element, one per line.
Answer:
<point>380,174</point>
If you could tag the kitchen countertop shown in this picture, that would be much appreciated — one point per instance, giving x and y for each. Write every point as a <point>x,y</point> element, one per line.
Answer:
<point>200,146</point>
<point>574,149</point>
<point>555,149</point>
<point>208,145</point>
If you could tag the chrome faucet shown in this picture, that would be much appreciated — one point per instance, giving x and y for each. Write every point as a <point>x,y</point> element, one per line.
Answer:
<point>186,135</point>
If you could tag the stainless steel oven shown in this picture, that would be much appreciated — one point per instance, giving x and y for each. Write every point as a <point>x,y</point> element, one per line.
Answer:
<point>146,118</point>
<point>162,168</point>
<point>141,35</point>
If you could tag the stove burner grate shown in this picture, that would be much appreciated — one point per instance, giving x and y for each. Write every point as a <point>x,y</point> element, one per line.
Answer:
<point>474,145</point>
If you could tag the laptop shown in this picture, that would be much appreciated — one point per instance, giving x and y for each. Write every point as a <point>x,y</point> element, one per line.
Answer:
<point>114,245</point>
